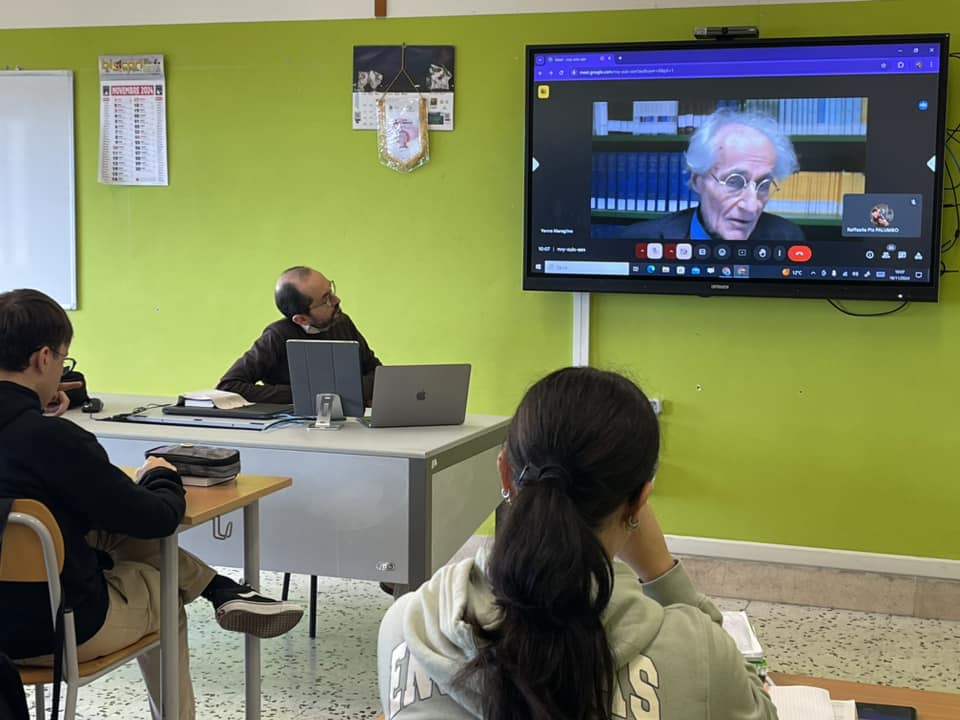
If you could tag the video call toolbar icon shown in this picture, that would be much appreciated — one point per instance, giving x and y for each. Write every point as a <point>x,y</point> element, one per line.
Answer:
<point>687,251</point>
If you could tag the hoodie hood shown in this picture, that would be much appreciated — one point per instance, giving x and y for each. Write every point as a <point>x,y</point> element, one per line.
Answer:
<point>439,632</point>
<point>16,400</point>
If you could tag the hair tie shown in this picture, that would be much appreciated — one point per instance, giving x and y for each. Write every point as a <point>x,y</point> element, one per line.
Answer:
<point>556,475</point>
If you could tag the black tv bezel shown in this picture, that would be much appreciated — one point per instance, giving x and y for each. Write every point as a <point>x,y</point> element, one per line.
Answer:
<point>861,290</point>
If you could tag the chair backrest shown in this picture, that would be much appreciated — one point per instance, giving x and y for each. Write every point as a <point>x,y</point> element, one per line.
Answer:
<point>31,549</point>
<point>21,550</point>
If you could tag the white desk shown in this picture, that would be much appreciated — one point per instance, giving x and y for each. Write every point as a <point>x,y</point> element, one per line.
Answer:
<point>387,504</point>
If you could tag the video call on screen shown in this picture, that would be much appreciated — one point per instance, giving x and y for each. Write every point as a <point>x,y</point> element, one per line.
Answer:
<point>610,194</point>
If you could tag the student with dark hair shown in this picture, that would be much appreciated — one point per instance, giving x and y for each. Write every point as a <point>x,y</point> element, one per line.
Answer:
<point>110,524</point>
<point>579,611</point>
<point>311,311</point>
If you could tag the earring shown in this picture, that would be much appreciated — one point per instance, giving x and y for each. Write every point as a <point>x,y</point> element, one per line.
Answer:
<point>505,494</point>
<point>631,523</point>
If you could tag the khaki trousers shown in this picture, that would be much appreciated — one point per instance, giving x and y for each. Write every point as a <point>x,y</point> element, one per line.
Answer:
<point>133,586</point>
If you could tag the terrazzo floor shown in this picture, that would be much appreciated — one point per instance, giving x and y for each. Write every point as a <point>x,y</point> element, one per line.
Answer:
<point>334,676</point>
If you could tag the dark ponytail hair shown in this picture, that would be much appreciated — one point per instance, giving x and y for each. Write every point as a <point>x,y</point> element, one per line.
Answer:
<point>581,444</point>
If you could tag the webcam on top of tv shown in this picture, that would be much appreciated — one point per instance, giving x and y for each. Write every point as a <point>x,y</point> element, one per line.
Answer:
<point>727,32</point>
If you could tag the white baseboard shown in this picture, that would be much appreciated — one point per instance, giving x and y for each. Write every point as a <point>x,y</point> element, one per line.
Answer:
<point>939,568</point>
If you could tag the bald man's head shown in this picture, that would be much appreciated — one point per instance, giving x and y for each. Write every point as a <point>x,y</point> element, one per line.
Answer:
<point>306,297</point>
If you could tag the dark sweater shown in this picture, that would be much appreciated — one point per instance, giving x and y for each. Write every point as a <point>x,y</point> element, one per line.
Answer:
<point>266,361</point>
<point>64,467</point>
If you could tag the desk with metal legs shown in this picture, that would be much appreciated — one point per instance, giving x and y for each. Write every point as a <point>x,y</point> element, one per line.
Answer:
<point>204,504</point>
<point>384,504</point>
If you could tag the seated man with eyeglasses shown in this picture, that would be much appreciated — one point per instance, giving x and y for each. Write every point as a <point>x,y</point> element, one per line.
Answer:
<point>311,310</point>
<point>110,525</point>
<point>735,160</point>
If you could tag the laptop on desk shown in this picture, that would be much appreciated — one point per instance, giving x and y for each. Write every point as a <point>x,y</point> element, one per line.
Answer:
<point>419,395</point>
<point>156,415</point>
<point>255,411</point>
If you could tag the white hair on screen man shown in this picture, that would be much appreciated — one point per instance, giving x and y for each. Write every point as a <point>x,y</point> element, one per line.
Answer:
<point>702,152</point>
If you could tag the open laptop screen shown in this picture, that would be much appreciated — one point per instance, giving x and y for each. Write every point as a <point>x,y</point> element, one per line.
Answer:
<point>420,395</point>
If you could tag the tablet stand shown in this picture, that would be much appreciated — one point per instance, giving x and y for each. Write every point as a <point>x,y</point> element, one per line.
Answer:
<point>329,408</point>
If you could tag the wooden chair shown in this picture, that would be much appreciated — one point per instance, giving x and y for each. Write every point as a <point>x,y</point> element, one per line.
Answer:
<point>32,551</point>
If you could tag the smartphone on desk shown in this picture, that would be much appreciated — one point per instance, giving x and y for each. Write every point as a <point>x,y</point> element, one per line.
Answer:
<point>872,711</point>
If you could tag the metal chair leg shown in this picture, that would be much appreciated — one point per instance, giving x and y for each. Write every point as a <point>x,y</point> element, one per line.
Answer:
<point>38,700</point>
<point>70,709</point>
<point>286,586</point>
<point>313,606</point>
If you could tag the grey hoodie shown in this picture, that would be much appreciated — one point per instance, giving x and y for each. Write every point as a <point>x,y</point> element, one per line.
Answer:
<point>673,660</point>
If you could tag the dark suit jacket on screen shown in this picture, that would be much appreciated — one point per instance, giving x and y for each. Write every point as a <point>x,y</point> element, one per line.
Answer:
<point>770,228</point>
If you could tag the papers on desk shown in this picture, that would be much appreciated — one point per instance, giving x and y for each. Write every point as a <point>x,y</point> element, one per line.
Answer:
<point>738,626</point>
<point>794,702</point>
<point>801,702</point>
<point>213,398</point>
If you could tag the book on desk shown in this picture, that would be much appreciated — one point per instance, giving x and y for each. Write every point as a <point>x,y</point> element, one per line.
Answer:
<point>794,702</point>
<point>212,399</point>
<point>222,404</point>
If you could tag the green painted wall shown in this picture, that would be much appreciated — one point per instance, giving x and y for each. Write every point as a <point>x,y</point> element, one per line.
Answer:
<point>808,427</point>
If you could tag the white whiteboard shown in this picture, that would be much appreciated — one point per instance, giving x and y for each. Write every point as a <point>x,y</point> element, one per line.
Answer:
<point>38,247</point>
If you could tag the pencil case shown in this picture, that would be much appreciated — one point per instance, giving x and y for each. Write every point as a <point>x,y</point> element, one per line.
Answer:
<point>199,460</point>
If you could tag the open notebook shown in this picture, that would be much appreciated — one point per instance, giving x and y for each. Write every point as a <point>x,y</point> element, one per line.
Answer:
<point>802,702</point>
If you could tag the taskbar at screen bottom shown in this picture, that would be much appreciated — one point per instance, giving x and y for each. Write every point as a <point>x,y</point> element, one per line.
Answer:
<point>731,271</point>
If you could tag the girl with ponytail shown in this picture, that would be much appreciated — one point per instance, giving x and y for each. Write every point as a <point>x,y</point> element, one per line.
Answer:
<point>578,612</point>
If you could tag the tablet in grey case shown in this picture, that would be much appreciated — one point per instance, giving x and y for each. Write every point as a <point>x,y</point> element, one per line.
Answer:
<point>325,366</point>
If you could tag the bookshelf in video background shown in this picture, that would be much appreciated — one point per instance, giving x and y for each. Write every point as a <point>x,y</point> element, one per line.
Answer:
<point>639,173</point>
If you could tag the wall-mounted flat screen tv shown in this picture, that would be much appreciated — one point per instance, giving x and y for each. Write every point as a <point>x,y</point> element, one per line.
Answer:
<point>792,167</point>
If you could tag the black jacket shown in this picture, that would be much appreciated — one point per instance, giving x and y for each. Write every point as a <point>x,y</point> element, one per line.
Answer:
<point>266,361</point>
<point>769,228</point>
<point>64,467</point>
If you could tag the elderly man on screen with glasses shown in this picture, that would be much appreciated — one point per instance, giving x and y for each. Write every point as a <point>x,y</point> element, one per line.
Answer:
<point>736,160</point>
<point>311,311</point>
